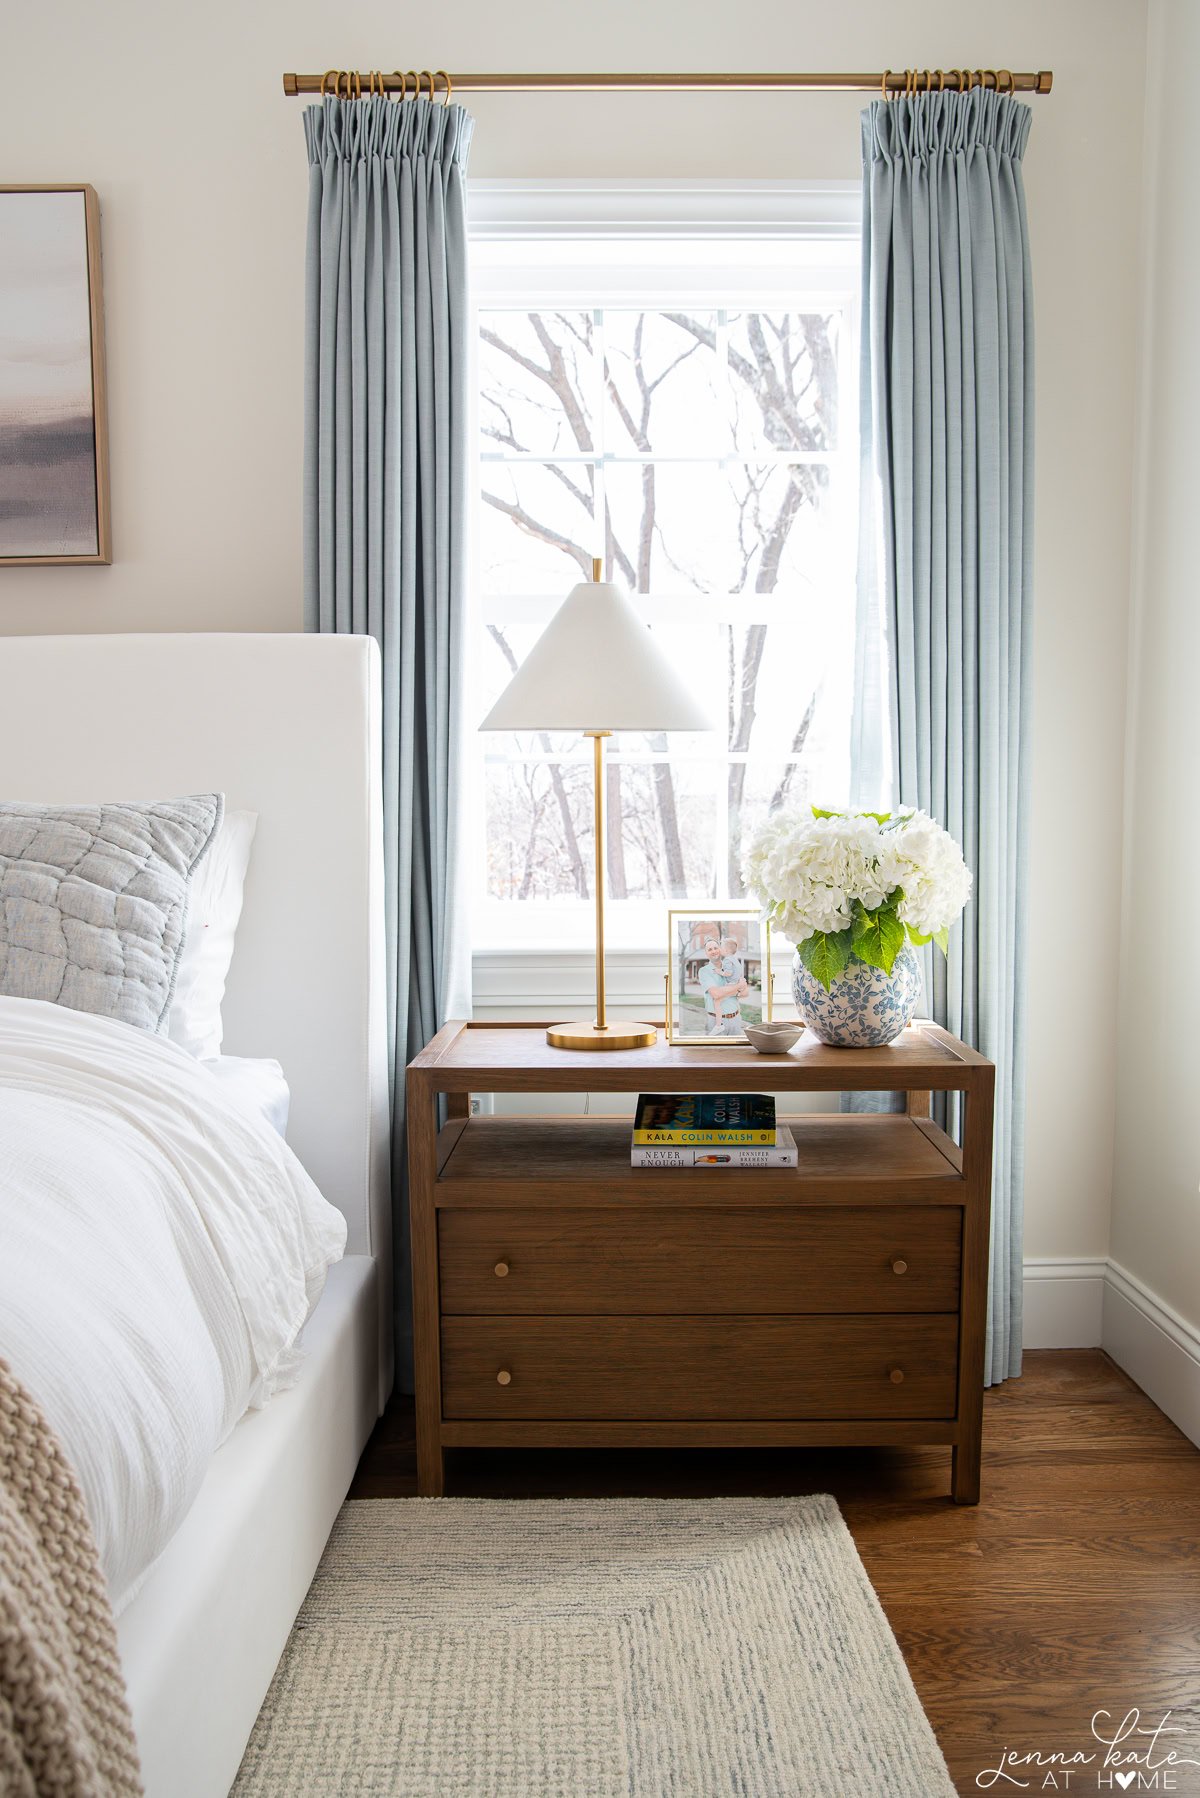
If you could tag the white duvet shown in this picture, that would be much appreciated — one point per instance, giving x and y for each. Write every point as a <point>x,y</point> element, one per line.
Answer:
<point>160,1251</point>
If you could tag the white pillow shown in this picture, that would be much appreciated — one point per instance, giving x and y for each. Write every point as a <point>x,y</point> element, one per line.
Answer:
<point>214,907</point>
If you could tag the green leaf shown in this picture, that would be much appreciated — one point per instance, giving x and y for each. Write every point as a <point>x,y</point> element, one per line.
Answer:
<point>818,813</point>
<point>879,817</point>
<point>877,936</point>
<point>940,937</point>
<point>826,954</point>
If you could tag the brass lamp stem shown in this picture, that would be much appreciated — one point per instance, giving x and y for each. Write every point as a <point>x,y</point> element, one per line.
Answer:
<point>599,1035</point>
<point>598,737</point>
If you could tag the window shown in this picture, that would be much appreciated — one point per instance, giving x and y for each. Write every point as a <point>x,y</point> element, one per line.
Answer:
<point>685,408</point>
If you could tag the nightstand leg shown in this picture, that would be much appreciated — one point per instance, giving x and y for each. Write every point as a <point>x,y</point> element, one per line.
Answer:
<point>973,1302</point>
<point>964,1473</point>
<point>431,1469</point>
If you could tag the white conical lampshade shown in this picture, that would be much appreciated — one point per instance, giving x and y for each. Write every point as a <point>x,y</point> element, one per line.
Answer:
<point>596,667</point>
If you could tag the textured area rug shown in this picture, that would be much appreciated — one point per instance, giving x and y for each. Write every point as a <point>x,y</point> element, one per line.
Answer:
<point>629,1648</point>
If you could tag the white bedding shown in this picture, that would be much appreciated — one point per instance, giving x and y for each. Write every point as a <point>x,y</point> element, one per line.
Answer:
<point>256,1085</point>
<point>160,1251</point>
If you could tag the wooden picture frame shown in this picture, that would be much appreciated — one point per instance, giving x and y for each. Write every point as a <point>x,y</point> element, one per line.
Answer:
<point>686,926</point>
<point>54,438</point>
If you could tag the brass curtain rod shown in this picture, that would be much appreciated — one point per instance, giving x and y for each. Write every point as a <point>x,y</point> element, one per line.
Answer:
<point>355,83</point>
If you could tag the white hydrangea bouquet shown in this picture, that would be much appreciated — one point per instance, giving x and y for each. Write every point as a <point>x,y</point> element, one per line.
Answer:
<point>856,886</point>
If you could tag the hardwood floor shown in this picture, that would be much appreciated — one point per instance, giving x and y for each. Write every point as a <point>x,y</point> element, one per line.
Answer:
<point>1074,1587</point>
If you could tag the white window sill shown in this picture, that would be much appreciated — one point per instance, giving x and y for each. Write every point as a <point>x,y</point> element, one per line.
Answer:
<point>536,985</point>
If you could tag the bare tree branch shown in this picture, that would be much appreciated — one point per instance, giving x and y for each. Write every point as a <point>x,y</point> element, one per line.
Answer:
<point>784,365</point>
<point>799,739</point>
<point>525,521</point>
<point>575,860</point>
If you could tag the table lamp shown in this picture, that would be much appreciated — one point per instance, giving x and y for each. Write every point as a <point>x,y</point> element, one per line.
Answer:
<point>597,669</point>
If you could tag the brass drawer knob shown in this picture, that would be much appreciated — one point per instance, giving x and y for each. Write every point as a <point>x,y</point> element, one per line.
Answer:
<point>898,1267</point>
<point>896,1376</point>
<point>501,1269</point>
<point>504,1378</point>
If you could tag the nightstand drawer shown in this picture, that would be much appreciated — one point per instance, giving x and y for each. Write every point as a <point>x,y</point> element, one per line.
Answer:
<point>660,1262</point>
<point>699,1368</point>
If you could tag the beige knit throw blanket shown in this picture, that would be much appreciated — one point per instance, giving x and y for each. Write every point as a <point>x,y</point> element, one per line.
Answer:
<point>65,1728</point>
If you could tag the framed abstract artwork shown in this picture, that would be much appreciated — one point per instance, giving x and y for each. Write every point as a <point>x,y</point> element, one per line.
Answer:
<point>54,504</point>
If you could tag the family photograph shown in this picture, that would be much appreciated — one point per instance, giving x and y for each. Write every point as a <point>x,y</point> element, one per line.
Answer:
<point>716,976</point>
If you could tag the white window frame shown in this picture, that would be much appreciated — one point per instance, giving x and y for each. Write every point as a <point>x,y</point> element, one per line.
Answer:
<point>533,979</point>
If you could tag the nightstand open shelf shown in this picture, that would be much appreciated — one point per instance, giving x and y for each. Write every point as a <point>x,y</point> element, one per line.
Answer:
<point>562,1296</point>
<point>578,1161</point>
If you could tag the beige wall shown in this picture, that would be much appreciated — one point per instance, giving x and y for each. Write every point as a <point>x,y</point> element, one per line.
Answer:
<point>177,117</point>
<point>1156,1210</point>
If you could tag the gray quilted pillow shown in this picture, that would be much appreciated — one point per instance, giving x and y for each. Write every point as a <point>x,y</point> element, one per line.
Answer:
<point>93,902</point>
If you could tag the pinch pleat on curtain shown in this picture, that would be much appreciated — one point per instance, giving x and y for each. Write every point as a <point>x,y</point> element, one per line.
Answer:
<point>946,564</point>
<point>385,509</point>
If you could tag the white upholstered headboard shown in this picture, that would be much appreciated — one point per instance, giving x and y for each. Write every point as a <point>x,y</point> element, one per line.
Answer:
<point>287,726</point>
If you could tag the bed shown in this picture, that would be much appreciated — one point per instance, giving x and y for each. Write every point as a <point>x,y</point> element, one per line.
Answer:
<point>287,726</point>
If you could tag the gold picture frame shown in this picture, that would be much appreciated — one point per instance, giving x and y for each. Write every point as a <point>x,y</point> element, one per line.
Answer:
<point>688,998</point>
<point>53,396</point>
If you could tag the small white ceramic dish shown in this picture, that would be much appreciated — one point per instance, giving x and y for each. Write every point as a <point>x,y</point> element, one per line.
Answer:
<point>774,1039</point>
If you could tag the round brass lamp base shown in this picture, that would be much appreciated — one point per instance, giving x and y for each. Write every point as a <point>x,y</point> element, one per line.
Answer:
<point>620,1035</point>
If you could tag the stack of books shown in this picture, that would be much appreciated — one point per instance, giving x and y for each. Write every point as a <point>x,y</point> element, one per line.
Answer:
<point>710,1130</point>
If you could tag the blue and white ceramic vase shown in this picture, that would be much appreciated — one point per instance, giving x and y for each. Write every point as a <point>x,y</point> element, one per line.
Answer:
<point>864,1008</point>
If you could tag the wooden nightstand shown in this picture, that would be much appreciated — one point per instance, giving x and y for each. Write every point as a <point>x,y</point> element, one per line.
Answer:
<point>561,1296</point>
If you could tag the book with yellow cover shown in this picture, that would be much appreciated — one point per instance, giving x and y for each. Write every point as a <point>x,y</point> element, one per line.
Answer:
<point>702,1120</point>
<point>784,1154</point>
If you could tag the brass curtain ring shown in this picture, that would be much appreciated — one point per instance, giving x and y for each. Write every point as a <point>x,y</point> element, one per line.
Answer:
<point>429,74</point>
<point>325,78</point>
<point>449,86</point>
<point>416,81</point>
<point>941,80</point>
<point>1008,81</point>
<point>403,83</point>
<point>883,83</point>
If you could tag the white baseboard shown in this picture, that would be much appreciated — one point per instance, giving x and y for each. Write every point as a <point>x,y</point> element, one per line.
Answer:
<point>1064,1303</point>
<point>1155,1346</point>
<point>1096,1303</point>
